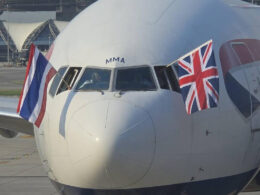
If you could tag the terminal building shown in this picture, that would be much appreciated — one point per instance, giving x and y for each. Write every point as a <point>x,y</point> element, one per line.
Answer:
<point>65,9</point>
<point>16,38</point>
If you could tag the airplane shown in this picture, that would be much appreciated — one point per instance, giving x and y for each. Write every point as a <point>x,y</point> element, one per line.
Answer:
<point>106,133</point>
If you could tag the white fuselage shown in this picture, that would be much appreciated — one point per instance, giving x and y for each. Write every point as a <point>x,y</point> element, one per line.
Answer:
<point>143,139</point>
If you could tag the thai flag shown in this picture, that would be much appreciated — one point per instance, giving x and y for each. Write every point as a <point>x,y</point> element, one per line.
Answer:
<point>32,103</point>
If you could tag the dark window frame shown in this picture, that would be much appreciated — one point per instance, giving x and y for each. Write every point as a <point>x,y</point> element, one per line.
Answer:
<point>70,84</point>
<point>55,85</point>
<point>173,78</point>
<point>158,71</point>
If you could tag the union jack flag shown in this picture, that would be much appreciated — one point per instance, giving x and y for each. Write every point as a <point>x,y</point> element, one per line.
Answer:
<point>198,79</point>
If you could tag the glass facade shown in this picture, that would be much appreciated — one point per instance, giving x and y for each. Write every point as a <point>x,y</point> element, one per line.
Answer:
<point>3,50</point>
<point>65,9</point>
<point>44,39</point>
<point>4,53</point>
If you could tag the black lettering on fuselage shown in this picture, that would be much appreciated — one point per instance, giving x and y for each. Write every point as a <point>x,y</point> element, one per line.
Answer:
<point>115,59</point>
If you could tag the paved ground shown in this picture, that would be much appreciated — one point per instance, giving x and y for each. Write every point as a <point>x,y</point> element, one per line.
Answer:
<point>11,78</point>
<point>21,172</point>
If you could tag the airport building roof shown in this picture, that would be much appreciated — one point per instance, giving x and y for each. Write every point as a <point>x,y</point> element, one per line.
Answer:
<point>16,38</point>
<point>19,32</point>
<point>23,34</point>
<point>60,25</point>
<point>64,9</point>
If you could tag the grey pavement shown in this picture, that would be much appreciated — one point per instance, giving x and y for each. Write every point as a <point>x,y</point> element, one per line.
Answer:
<point>11,78</point>
<point>21,172</point>
<point>8,104</point>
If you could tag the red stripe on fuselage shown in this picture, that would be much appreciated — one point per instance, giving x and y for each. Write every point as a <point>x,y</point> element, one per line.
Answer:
<point>231,58</point>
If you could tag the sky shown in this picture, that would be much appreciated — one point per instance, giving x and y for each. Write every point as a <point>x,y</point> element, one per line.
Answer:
<point>25,17</point>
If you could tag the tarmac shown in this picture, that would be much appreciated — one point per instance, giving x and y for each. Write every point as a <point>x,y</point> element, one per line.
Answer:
<point>21,171</point>
<point>11,77</point>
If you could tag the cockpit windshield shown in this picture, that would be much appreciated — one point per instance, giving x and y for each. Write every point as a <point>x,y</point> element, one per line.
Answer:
<point>94,79</point>
<point>135,79</point>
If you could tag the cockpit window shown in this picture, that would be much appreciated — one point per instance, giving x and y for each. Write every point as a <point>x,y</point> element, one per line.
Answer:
<point>135,79</point>
<point>69,79</point>
<point>161,75</point>
<point>170,72</point>
<point>167,77</point>
<point>57,80</point>
<point>94,79</point>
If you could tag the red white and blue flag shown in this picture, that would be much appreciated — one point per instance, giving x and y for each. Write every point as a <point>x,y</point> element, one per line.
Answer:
<point>198,79</point>
<point>32,102</point>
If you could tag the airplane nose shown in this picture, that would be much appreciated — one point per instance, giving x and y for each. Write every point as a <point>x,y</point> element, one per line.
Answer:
<point>111,143</point>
